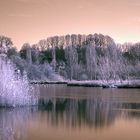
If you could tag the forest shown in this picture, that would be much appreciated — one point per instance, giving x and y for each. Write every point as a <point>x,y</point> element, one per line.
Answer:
<point>75,57</point>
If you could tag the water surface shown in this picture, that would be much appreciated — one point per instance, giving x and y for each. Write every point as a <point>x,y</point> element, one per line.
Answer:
<point>72,113</point>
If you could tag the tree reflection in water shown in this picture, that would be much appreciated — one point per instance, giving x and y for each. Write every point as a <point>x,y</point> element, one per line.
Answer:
<point>76,113</point>
<point>70,113</point>
<point>14,122</point>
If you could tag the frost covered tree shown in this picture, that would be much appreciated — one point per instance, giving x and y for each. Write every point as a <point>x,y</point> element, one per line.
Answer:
<point>71,55</point>
<point>5,44</point>
<point>90,57</point>
<point>94,55</point>
<point>43,45</point>
<point>53,42</point>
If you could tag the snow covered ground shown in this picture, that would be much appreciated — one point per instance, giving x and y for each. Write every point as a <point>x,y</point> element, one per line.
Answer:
<point>107,84</point>
<point>95,83</point>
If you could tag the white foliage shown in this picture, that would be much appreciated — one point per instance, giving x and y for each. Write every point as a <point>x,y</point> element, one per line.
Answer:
<point>14,89</point>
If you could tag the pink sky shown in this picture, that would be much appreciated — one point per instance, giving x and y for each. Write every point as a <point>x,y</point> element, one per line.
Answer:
<point>32,20</point>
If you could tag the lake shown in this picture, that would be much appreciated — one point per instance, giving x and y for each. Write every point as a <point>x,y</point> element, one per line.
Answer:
<point>72,113</point>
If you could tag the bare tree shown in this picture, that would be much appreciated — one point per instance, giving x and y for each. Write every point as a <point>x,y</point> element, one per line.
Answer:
<point>5,44</point>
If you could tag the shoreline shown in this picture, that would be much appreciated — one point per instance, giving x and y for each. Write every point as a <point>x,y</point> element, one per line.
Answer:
<point>94,83</point>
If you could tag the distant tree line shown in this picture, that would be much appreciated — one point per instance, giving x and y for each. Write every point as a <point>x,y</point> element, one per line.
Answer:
<point>79,57</point>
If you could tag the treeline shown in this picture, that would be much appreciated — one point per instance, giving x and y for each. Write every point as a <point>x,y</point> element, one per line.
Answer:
<point>79,57</point>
